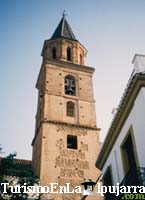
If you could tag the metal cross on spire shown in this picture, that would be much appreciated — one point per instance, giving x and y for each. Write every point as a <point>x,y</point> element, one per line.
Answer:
<point>64,14</point>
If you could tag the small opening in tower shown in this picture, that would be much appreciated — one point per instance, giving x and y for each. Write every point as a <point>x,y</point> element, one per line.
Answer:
<point>69,54</point>
<point>70,109</point>
<point>54,53</point>
<point>72,142</point>
<point>81,59</point>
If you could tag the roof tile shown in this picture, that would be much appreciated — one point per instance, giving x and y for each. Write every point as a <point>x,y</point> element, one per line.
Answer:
<point>63,30</point>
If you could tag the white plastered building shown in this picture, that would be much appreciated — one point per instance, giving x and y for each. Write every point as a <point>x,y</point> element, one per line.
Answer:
<point>122,156</point>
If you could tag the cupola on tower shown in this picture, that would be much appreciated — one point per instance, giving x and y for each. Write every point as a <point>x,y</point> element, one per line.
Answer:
<point>64,46</point>
<point>66,140</point>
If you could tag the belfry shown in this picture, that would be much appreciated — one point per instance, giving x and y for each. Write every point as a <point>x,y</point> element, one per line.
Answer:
<point>66,140</point>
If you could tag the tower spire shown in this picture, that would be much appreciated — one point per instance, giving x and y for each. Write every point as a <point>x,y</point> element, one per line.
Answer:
<point>64,14</point>
<point>63,29</point>
<point>63,45</point>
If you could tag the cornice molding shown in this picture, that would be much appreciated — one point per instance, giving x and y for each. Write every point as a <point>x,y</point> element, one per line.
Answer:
<point>64,124</point>
<point>71,65</point>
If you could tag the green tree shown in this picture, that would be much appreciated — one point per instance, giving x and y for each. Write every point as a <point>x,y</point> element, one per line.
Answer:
<point>7,165</point>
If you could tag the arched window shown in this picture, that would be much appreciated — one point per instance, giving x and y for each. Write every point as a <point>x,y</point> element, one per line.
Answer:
<point>81,59</point>
<point>54,53</point>
<point>70,85</point>
<point>69,56</point>
<point>70,109</point>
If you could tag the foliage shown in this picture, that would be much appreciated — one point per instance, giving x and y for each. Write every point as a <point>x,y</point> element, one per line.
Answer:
<point>23,177</point>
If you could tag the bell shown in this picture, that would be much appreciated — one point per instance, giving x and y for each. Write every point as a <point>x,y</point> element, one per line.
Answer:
<point>69,90</point>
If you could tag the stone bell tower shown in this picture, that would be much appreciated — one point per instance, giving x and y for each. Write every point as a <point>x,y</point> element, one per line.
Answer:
<point>66,141</point>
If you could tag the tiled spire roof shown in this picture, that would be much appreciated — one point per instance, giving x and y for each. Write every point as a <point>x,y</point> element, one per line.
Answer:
<point>63,30</point>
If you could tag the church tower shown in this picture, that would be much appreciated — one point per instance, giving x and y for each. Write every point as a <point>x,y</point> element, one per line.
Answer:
<point>66,141</point>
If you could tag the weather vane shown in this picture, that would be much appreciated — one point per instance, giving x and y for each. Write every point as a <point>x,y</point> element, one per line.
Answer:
<point>64,13</point>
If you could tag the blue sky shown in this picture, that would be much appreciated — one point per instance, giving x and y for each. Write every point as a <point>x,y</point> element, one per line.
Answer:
<point>112,31</point>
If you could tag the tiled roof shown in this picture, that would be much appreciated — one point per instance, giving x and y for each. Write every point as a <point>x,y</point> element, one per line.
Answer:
<point>20,167</point>
<point>63,30</point>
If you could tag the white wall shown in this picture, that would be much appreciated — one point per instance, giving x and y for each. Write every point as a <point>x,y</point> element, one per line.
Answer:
<point>136,119</point>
